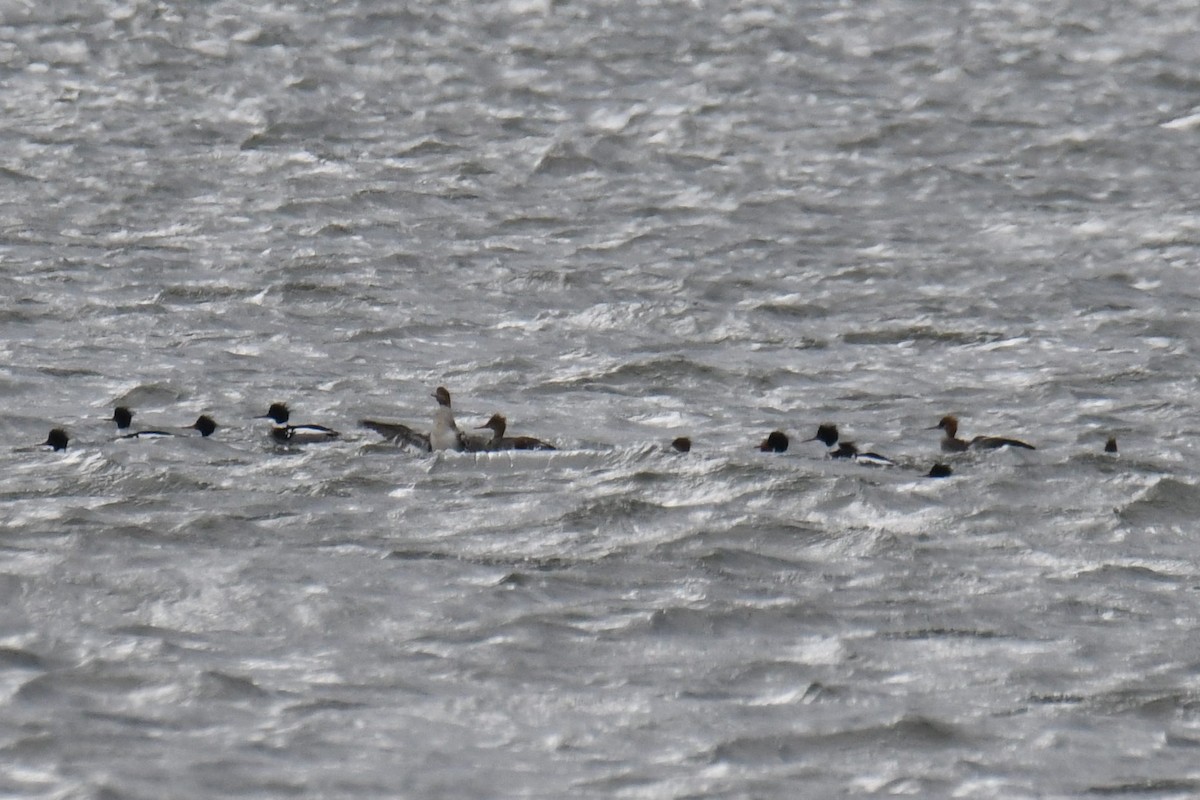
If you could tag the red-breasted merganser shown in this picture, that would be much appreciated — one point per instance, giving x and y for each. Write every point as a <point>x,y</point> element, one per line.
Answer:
<point>57,440</point>
<point>124,418</point>
<point>776,442</point>
<point>497,423</point>
<point>205,424</point>
<point>445,434</point>
<point>952,444</point>
<point>827,434</point>
<point>284,433</point>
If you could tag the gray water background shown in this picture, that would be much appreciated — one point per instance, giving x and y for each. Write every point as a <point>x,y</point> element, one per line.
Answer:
<point>617,223</point>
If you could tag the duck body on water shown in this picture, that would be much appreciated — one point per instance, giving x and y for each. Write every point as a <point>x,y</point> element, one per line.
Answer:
<point>284,433</point>
<point>444,435</point>
<point>827,434</point>
<point>952,444</point>
<point>123,416</point>
<point>498,424</point>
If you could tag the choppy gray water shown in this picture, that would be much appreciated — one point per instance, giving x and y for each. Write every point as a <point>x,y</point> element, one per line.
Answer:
<point>617,223</point>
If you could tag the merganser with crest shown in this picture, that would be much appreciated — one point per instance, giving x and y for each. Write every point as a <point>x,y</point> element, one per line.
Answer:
<point>205,424</point>
<point>284,433</point>
<point>498,423</point>
<point>952,444</point>
<point>445,434</point>
<point>827,434</point>
<point>682,444</point>
<point>776,442</point>
<point>124,418</point>
<point>57,440</point>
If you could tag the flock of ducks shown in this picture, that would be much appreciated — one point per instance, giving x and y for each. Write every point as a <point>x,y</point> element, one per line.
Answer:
<point>446,435</point>
<point>827,434</point>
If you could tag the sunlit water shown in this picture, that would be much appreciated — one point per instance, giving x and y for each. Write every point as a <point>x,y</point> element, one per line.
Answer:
<point>617,223</point>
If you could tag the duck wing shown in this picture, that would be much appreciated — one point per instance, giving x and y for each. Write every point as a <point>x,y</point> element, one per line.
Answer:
<point>399,433</point>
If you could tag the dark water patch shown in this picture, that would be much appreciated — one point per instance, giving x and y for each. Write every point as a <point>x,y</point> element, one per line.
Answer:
<point>1168,502</point>
<point>421,555</point>
<point>185,294</point>
<point>757,676</point>
<point>922,334</point>
<point>79,686</point>
<point>314,133</point>
<point>528,225</point>
<point>1151,703</point>
<point>565,161</point>
<point>540,280</point>
<point>308,290</point>
<point>910,733</point>
<point>944,633</point>
<point>12,587</point>
<point>322,706</point>
<point>1176,740</point>
<point>914,730</point>
<point>338,230</point>
<point>428,147</point>
<point>611,512</point>
<point>216,685</point>
<point>157,633</point>
<point>1186,82</point>
<point>1058,698</point>
<point>20,317</point>
<point>794,311</point>
<point>542,564</point>
<point>1148,788</point>
<point>733,561</point>
<point>151,395</point>
<point>1110,573</point>
<point>651,375</point>
<point>638,782</point>
<point>731,619</point>
<point>243,777</point>
<point>690,162</point>
<point>69,372</point>
<point>762,750</point>
<point>16,658</point>
<point>531,564</point>
<point>15,176</point>
<point>131,727</point>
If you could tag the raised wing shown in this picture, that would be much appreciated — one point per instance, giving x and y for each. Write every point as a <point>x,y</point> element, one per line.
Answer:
<point>401,434</point>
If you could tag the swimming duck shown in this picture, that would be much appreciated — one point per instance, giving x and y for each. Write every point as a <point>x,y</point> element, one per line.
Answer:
<point>284,433</point>
<point>497,424</point>
<point>776,442</point>
<point>952,444</point>
<point>827,434</point>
